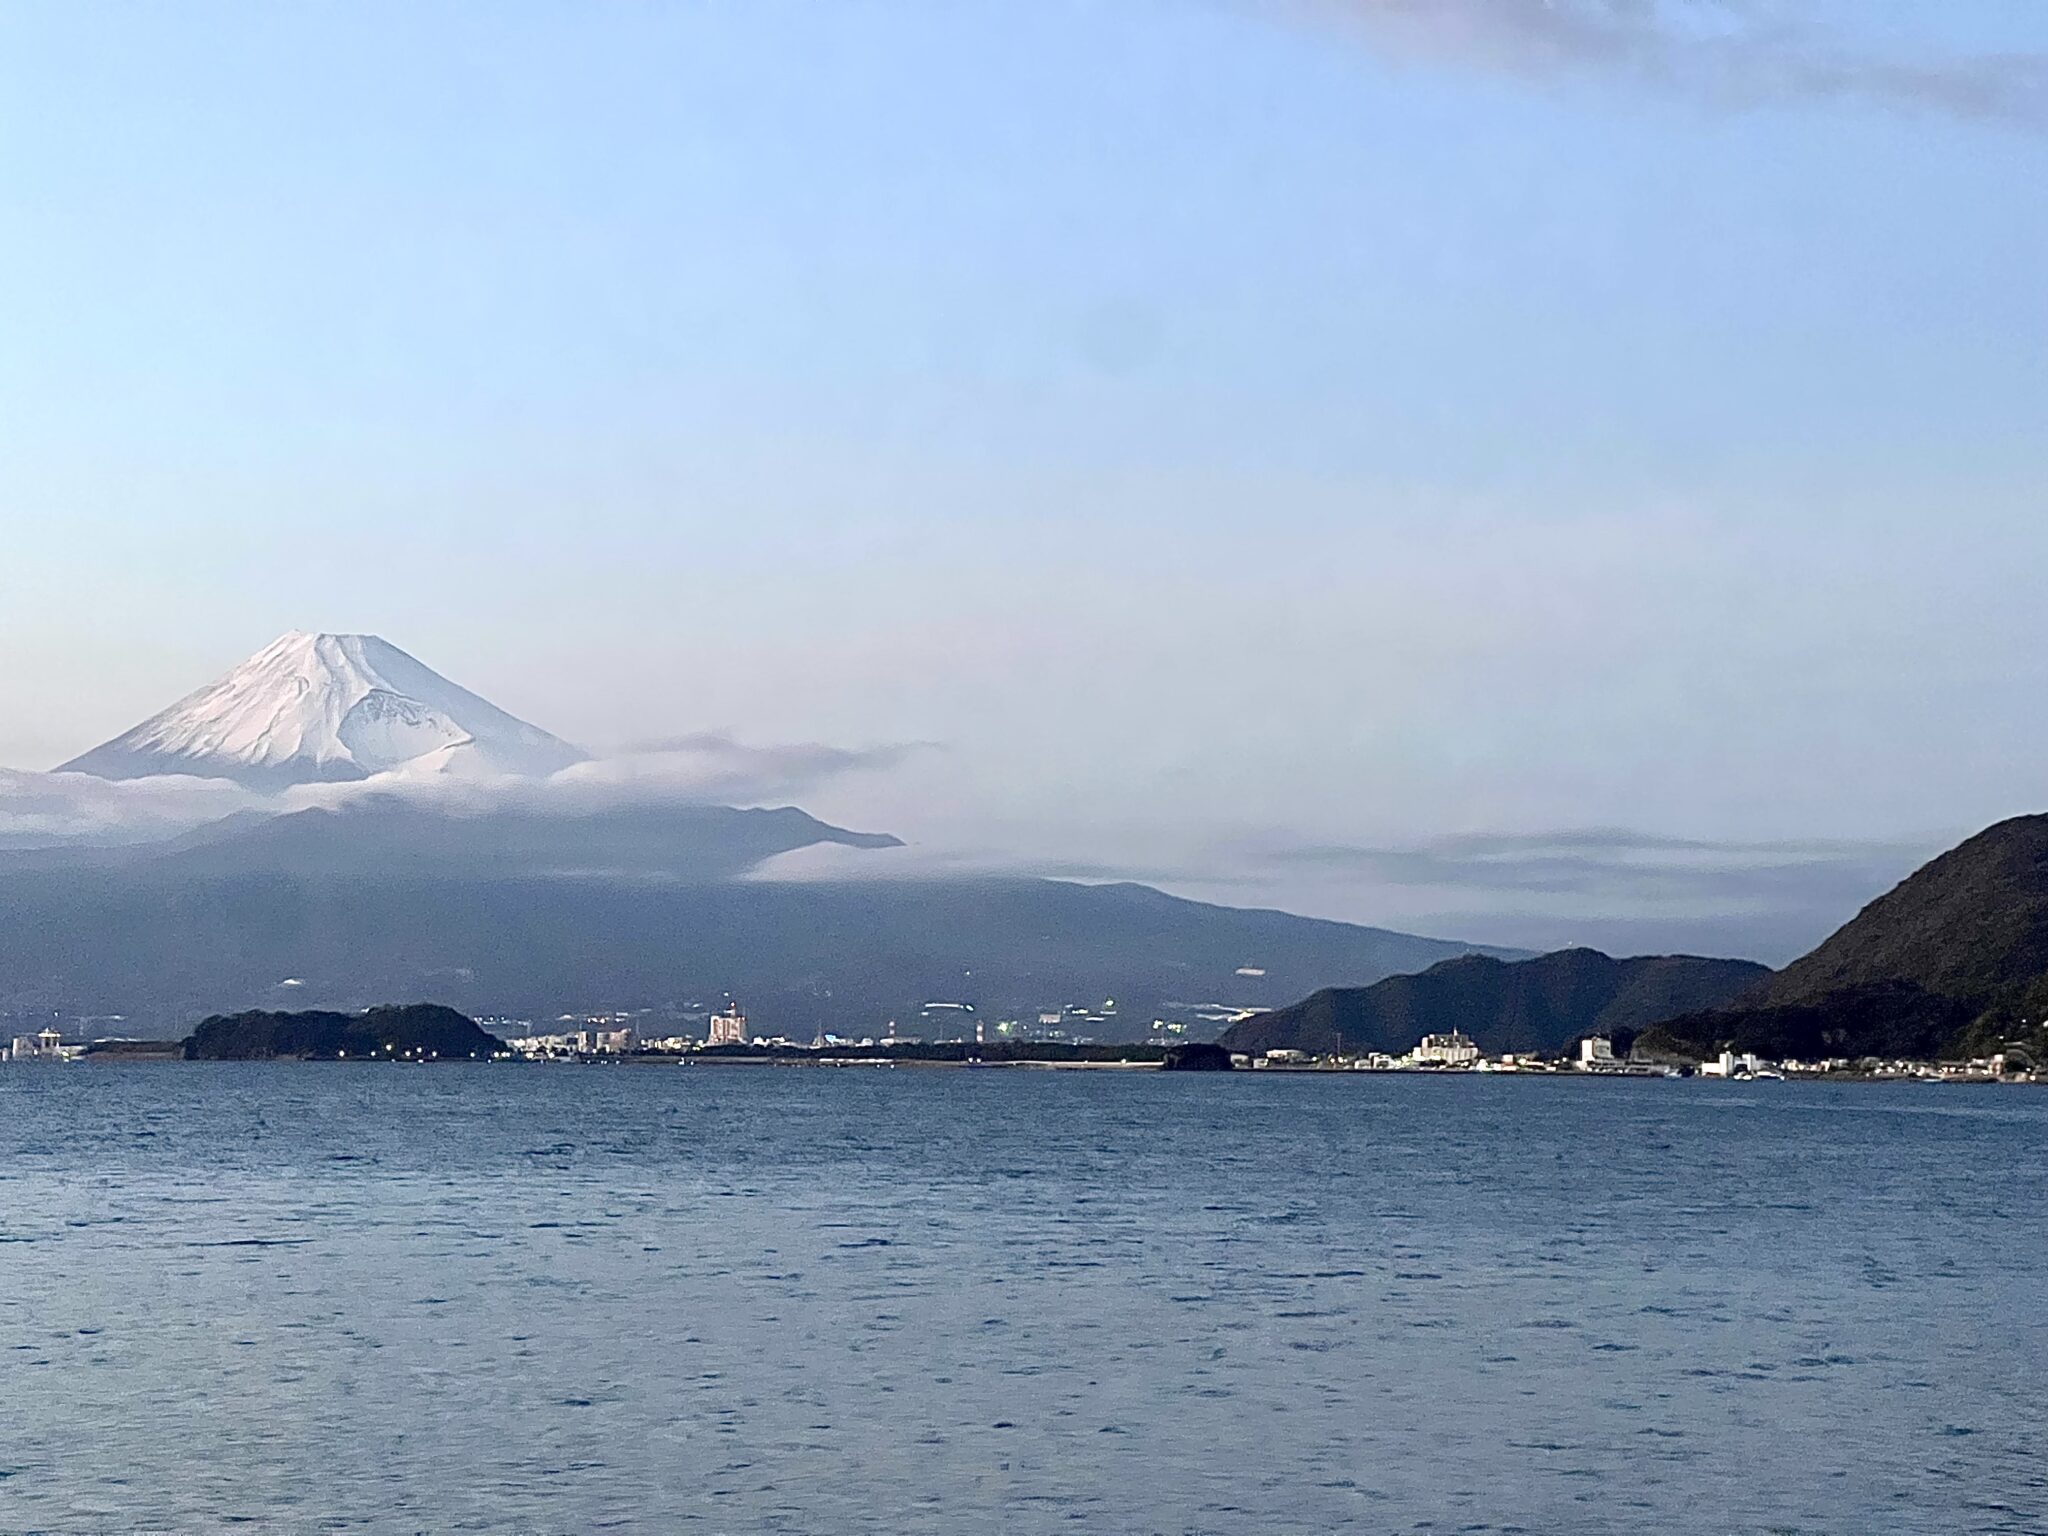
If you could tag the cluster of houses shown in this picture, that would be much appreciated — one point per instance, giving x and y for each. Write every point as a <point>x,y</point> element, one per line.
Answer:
<point>566,1045</point>
<point>1982,1069</point>
<point>611,1036</point>
<point>1452,1052</point>
<point>1458,1052</point>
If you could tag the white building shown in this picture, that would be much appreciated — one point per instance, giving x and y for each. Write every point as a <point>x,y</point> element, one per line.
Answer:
<point>44,1045</point>
<point>1455,1049</point>
<point>575,1042</point>
<point>728,1026</point>
<point>1595,1052</point>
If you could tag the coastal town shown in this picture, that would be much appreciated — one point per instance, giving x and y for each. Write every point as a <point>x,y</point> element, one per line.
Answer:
<point>1595,1056</point>
<point>728,1037</point>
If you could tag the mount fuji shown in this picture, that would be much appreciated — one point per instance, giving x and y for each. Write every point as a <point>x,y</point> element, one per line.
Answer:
<point>310,709</point>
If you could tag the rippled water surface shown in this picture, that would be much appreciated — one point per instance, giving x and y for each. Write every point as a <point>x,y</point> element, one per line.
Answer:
<point>733,1299</point>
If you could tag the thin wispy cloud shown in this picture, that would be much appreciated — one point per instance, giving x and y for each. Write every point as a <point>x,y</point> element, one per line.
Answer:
<point>717,766</point>
<point>1731,52</point>
<point>47,809</point>
<point>1615,865</point>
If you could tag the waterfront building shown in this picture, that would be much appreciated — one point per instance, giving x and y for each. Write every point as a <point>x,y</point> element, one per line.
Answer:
<point>1728,1064</point>
<point>728,1026</point>
<point>45,1045</point>
<point>1455,1049</point>
<point>1595,1052</point>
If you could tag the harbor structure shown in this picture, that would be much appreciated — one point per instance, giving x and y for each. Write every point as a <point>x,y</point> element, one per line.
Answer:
<point>44,1045</point>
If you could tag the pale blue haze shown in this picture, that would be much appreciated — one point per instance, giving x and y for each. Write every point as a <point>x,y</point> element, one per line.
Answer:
<point>1223,427</point>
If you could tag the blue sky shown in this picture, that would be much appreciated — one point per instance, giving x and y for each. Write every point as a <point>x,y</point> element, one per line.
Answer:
<point>1233,433</point>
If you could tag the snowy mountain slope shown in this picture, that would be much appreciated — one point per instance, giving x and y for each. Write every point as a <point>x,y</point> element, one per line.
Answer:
<point>321,708</point>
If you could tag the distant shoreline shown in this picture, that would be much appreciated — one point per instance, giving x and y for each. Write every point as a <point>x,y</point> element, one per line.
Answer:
<point>170,1052</point>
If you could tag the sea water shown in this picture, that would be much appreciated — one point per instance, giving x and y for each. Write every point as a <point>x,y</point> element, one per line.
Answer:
<point>502,1298</point>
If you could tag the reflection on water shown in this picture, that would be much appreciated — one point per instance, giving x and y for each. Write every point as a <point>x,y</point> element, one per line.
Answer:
<point>573,1299</point>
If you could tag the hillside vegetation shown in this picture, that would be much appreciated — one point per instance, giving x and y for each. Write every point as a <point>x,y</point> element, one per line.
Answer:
<point>1538,1006</point>
<point>418,1029</point>
<point>1951,963</point>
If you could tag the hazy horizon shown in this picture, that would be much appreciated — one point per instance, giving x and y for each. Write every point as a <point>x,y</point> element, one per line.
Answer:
<point>1529,475</point>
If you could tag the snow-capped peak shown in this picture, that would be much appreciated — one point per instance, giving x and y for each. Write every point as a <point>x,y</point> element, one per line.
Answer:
<point>309,708</point>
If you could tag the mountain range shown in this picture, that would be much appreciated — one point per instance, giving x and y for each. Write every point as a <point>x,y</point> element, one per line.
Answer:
<point>404,838</point>
<point>398,835</point>
<point>1539,1006</point>
<point>1950,964</point>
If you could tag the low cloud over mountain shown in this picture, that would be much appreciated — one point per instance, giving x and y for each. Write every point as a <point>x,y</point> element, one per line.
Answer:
<point>45,809</point>
<point>40,809</point>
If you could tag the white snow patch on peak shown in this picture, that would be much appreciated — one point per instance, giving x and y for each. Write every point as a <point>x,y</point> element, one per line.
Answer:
<point>309,708</point>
